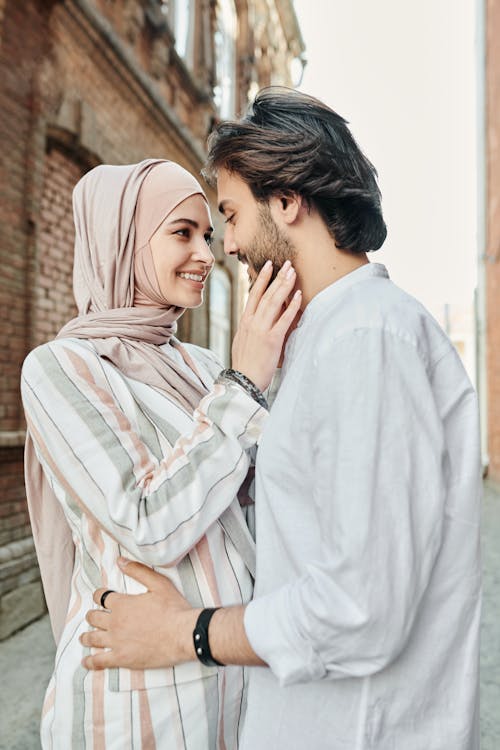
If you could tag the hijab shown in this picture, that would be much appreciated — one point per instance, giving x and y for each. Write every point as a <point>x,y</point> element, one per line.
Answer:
<point>117,210</point>
<point>125,315</point>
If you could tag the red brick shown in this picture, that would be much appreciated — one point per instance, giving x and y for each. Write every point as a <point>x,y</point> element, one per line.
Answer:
<point>49,64</point>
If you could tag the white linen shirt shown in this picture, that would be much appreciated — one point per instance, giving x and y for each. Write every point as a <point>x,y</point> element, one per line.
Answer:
<point>367,597</point>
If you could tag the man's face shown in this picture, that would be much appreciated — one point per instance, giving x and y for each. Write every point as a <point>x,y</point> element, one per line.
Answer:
<point>251,232</point>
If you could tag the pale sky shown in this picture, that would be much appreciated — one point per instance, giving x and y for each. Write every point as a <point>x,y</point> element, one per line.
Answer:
<point>403,74</point>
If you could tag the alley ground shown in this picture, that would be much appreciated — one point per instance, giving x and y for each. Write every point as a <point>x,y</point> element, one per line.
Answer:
<point>26,658</point>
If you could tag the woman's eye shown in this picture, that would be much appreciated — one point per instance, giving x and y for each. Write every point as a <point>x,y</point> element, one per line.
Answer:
<point>182,232</point>
<point>209,239</point>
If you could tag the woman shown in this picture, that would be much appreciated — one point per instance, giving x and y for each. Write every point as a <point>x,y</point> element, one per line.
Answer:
<point>118,462</point>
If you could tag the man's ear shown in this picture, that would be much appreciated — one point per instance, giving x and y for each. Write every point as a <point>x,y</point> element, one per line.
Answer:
<point>285,208</point>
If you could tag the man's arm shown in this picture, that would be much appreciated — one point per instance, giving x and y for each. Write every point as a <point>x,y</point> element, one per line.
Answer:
<point>377,455</point>
<point>155,629</point>
<point>378,491</point>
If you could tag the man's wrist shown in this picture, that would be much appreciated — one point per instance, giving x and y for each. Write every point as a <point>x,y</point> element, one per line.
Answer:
<point>228,641</point>
<point>183,636</point>
<point>201,638</point>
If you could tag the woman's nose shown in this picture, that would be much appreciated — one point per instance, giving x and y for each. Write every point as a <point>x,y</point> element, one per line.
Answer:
<point>204,253</point>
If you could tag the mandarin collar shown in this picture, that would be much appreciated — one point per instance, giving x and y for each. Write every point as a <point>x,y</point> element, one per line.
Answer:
<point>324,298</point>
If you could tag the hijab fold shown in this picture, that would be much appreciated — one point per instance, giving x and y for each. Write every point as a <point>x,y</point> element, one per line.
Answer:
<point>116,210</point>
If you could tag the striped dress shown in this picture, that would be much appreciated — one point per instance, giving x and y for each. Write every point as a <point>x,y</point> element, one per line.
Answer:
<point>136,474</point>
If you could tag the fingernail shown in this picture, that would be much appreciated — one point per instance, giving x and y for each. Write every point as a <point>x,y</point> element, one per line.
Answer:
<point>298,293</point>
<point>285,266</point>
<point>290,273</point>
<point>267,264</point>
<point>122,562</point>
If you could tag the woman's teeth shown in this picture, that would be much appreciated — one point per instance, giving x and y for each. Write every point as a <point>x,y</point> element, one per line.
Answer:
<point>192,276</point>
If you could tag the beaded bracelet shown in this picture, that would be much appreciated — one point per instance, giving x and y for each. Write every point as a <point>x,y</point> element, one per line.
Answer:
<point>235,376</point>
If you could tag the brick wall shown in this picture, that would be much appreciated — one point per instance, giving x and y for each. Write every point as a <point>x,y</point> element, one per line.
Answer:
<point>68,102</point>
<point>53,304</point>
<point>84,82</point>
<point>14,520</point>
<point>21,598</point>
<point>16,108</point>
<point>65,107</point>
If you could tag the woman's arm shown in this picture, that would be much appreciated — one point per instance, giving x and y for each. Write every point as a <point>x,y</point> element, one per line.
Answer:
<point>157,509</point>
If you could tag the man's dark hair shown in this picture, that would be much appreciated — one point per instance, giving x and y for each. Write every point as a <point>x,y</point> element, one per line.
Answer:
<point>289,142</point>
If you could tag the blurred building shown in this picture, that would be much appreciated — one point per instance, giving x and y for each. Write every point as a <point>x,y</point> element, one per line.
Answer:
<point>458,320</point>
<point>84,82</point>
<point>490,260</point>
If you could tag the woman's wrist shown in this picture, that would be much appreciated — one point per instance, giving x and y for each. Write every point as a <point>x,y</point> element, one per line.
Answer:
<point>235,376</point>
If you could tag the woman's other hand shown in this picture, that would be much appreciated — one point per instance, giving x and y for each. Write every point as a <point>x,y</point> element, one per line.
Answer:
<point>264,325</point>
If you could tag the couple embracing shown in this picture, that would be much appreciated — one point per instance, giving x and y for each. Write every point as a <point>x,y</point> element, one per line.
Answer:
<point>362,629</point>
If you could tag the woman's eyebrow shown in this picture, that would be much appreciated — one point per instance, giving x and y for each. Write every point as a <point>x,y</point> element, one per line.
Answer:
<point>191,222</point>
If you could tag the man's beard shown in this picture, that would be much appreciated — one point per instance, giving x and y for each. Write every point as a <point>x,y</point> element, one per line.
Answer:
<point>270,243</point>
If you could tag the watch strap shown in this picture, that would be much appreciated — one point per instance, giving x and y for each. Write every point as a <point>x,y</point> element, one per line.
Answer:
<point>200,638</point>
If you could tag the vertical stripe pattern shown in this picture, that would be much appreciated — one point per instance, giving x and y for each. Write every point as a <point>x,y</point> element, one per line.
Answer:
<point>136,475</point>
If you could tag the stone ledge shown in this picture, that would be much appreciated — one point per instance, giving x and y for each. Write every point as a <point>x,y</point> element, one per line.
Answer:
<point>20,607</point>
<point>17,571</point>
<point>12,438</point>
<point>17,549</point>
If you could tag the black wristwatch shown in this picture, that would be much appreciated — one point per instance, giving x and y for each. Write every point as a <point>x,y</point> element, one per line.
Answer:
<point>200,639</point>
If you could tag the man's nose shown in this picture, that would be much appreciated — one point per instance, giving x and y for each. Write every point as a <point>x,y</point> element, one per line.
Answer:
<point>230,246</point>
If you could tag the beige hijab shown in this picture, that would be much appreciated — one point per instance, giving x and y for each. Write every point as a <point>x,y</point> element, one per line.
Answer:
<point>116,209</point>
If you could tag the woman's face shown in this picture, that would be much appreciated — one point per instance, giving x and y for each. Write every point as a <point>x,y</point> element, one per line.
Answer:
<point>181,252</point>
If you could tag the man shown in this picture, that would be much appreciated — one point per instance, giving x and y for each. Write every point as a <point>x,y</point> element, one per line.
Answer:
<point>367,599</point>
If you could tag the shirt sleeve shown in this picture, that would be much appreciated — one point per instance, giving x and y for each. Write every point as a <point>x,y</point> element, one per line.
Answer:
<point>156,508</point>
<point>272,390</point>
<point>378,463</point>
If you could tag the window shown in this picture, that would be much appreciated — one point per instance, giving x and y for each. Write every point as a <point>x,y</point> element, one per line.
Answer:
<point>225,58</point>
<point>180,14</point>
<point>220,314</point>
<point>183,29</point>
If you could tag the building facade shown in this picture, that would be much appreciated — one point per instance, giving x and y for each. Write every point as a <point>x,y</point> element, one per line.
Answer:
<point>490,261</point>
<point>84,82</point>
